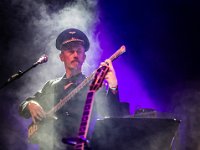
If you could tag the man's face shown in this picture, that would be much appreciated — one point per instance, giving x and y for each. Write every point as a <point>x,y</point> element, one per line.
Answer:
<point>73,56</point>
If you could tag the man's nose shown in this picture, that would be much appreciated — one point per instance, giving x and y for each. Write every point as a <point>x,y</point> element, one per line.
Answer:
<point>75,53</point>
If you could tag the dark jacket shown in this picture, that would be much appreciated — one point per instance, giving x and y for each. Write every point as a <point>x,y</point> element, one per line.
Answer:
<point>69,116</point>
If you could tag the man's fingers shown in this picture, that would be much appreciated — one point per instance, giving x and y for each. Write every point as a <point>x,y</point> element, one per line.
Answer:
<point>33,119</point>
<point>38,117</point>
<point>107,62</point>
<point>36,111</point>
<point>41,113</point>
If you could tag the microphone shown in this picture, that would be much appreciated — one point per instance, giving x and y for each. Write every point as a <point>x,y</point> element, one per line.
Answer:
<point>42,59</point>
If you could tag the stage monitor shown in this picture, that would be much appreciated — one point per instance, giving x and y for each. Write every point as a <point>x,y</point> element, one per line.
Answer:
<point>134,134</point>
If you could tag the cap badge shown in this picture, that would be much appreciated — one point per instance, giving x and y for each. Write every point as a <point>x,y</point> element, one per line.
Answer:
<point>72,32</point>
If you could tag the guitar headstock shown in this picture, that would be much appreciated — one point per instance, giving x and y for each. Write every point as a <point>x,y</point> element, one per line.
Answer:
<point>99,78</point>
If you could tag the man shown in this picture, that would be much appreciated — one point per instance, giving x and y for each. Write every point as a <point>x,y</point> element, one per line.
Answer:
<point>73,44</point>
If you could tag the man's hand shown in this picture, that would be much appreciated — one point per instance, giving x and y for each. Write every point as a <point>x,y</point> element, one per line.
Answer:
<point>37,112</point>
<point>111,76</point>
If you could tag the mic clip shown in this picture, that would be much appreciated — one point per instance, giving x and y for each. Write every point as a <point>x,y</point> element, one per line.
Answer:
<point>15,76</point>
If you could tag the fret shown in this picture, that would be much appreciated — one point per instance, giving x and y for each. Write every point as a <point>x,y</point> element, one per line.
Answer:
<point>85,118</point>
<point>87,107</point>
<point>82,129</point>
<point>86,113</point>
<point>81,133</point>
<point>83,123</point>
<point>88,101</point>
<point>90,94</point>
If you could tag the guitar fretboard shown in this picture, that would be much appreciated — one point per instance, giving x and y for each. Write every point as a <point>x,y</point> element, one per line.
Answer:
<point>83,129</point>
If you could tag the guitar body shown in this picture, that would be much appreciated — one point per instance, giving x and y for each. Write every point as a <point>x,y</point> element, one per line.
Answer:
<point>37,132</point>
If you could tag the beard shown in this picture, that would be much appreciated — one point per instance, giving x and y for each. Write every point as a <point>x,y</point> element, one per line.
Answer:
<point>75,65</point>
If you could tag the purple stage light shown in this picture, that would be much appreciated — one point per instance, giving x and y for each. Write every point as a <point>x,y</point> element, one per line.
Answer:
<point>130,85</point>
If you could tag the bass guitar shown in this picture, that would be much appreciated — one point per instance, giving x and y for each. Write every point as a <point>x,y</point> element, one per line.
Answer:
<point>34,129</point>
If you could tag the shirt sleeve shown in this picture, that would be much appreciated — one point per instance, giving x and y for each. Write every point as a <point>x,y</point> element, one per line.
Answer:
<point>107,103</point>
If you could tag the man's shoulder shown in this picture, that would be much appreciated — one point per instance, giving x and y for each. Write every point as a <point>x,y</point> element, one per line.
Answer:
<point>52,82</point>
<point>55,81</point>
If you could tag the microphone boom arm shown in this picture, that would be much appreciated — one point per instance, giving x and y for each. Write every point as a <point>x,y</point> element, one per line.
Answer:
<point>20,73</point>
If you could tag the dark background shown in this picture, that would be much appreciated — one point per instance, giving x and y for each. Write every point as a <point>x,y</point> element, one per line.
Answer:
<point>163,37</point>
<point>163,42</point>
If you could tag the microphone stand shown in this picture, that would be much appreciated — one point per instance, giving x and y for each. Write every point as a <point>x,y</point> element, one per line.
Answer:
<point>20,73</point>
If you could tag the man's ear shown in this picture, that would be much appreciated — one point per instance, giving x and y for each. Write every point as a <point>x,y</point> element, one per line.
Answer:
<point>61,56</point>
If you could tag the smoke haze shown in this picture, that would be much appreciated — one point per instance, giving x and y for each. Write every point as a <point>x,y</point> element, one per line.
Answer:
<point>162,50</point>
<point>34,26</point>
